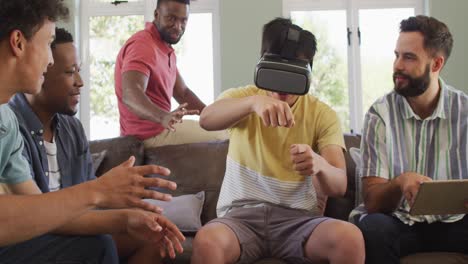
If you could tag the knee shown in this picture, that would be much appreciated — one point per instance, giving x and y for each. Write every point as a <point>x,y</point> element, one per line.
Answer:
<point>347,238</point>
<point>104,243</point>
<point>206,241</point>
<point>375,227</point>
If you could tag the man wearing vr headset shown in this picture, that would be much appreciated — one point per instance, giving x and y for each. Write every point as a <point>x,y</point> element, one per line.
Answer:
<point>285,157</point>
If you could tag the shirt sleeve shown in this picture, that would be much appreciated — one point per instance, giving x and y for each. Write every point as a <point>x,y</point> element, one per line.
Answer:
<point>88,161</point>
<point>329,129</point>
<point>28,157</point>
<point>237,93</point>
<point>138,57</point>
<point>373,147</point>
<point>14,167</point>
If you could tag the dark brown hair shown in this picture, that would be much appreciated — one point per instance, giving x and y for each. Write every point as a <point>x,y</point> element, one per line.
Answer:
<point>437,36</point>
<point>29,15</point>
<point>61,36</point>
<point>274,36</point>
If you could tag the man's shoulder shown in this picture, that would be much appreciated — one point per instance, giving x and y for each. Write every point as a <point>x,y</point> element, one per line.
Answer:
<point>315,108</point>
<point>7,117</point>
<point>70,123</point>
<point>384,103</point>
<point>460,95</point>
<point>142,38</point>
<point>242,91</point>
<point>316,103</point>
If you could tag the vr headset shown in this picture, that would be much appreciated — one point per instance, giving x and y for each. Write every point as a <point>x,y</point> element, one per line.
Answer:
<point>284,73</point>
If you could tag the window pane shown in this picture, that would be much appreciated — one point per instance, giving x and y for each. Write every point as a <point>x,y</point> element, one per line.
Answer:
<point>107,35</point>
<point>377,50</point>
<point>330,72</point>
<point>195,58</point>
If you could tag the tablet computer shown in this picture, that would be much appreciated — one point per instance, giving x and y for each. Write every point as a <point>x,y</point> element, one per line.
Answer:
<point>441,197</point>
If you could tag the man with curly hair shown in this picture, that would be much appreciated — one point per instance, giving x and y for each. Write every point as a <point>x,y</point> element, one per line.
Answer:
<point>57,150</point>
<point>27,29</point>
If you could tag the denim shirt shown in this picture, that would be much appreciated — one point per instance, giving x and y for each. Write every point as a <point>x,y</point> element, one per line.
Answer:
<point>73,154</point>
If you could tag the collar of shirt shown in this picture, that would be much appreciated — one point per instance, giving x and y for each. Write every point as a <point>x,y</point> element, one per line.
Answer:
<point>163,45</point>
<point>440,112</point>
<point>20,103</point>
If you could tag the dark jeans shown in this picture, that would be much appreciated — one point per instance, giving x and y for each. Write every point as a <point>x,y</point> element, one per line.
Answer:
<point>388,239</point>
<point>55,249</point>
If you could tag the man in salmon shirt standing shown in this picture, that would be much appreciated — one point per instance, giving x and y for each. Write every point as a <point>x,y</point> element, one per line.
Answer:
<point>146,78</point>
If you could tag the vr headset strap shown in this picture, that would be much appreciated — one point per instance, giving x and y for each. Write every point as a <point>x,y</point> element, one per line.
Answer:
<point>290,43</point>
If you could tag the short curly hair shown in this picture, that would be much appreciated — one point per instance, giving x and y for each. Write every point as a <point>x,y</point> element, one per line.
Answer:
<point>61,36</point>
<point>29,15</point>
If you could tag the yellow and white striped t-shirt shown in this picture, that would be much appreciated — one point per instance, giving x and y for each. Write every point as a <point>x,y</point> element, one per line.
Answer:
<point>259,167</point>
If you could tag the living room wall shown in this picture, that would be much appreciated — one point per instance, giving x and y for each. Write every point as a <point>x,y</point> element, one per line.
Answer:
<point>241,27</point>
<point>452,12</point>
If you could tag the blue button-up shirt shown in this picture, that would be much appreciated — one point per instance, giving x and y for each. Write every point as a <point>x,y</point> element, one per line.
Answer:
<point>73,154</point>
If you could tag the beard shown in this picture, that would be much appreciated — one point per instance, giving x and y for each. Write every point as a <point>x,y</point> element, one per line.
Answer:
<point>415,85</point>
<point>166,36</point>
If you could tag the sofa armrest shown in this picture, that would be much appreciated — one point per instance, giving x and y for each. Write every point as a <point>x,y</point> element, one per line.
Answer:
<point>341,207</point>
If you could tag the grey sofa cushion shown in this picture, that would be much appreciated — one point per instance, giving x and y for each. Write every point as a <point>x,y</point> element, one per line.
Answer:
<point>97,159</point>
<point>435,258</point>
<point>184,211</point>
<point>194,167</point>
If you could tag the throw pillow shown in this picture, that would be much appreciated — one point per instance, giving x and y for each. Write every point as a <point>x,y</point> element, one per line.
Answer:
<point>184,211</point>
<point>355,154</point>
<point>97,158</point>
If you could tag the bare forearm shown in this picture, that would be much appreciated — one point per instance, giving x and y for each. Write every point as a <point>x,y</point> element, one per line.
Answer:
<point>383,197</point>
<point>332,180</point>
<point>26,216</point>
<point>95,222</point>
<point>141,105</point>
<point>225,113</point>
<point>189,97</point>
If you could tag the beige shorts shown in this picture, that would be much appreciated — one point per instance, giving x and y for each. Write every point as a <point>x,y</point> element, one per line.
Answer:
<point>189,131</point>
<point>271,231</point>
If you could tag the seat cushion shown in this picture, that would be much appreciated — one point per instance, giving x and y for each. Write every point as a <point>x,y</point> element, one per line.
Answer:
<point>435,258</point>
<point>194,167</point>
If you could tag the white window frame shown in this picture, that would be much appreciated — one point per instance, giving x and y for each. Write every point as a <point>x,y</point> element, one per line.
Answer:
<point>88,9</point>
<point>352,8</point>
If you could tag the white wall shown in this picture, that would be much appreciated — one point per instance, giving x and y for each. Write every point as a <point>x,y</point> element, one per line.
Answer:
<point>241,27</point>
<point>452,13</point>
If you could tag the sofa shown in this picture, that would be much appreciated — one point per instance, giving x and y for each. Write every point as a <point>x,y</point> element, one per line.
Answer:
<point>200,167</point>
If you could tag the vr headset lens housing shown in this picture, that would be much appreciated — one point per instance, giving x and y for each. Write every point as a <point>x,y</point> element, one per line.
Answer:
<point>284,73</point>
<point>277,74</point>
